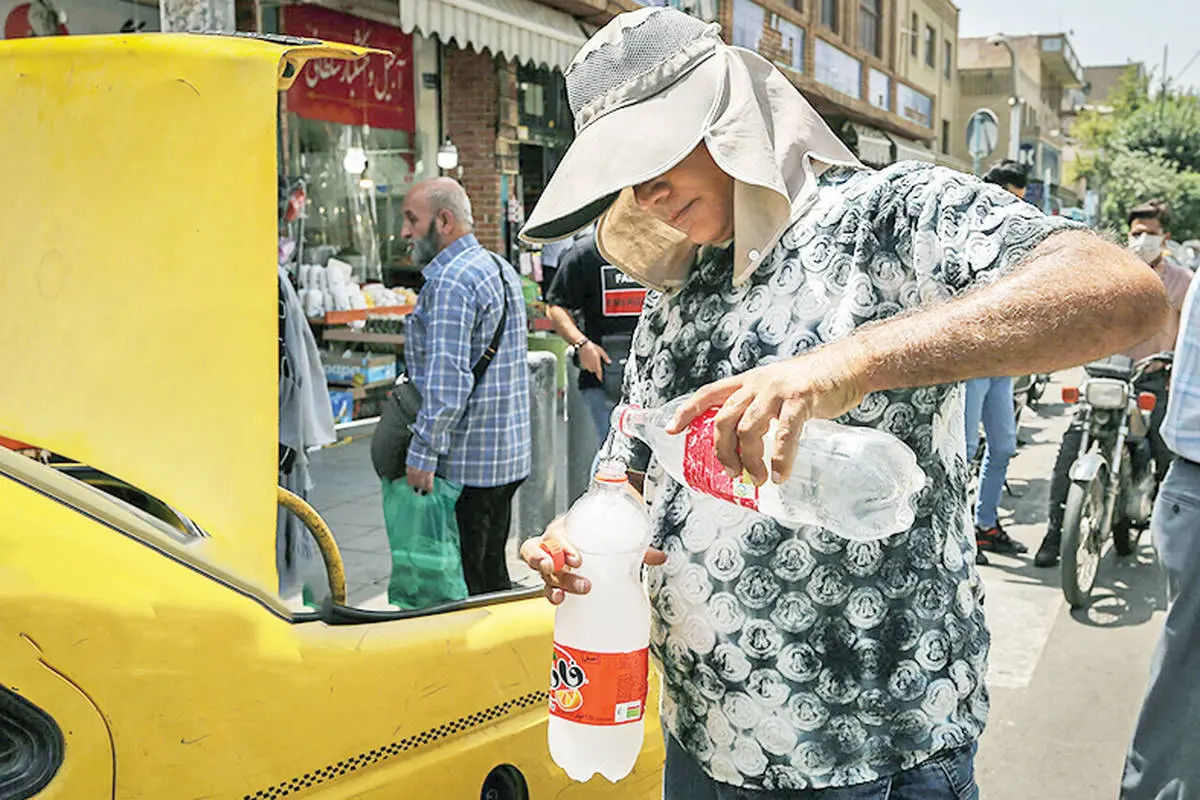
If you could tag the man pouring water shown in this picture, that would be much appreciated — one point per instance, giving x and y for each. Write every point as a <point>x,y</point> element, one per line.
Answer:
<point>791,283</point>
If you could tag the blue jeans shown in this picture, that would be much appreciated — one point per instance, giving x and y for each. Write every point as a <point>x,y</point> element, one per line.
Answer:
<point>601,408</point>
<point>949,775</point>
<point>1162,762</point>
<point>991,400</point>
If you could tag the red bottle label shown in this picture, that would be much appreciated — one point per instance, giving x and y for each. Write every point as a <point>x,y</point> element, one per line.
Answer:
<point>598,688</point>
<point>704,473</point>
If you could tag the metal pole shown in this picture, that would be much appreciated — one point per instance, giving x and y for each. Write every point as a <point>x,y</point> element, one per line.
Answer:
<point>1014,123</point>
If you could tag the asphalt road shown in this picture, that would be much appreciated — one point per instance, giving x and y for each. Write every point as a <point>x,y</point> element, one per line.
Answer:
<point>1065,686</point>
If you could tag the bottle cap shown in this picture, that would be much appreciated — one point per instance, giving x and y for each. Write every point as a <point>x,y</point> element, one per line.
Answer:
<point>611,471</point>
<point>552,548</point>
<point>619,414</point>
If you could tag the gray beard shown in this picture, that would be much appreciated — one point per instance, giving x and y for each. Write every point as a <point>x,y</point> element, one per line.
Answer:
<point>425,248</point>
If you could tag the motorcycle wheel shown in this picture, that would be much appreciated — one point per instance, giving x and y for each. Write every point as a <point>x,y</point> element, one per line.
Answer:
<point>1081,541</point>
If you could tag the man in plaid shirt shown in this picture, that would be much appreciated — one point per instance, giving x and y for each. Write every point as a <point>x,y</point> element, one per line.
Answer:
<point>474,435</point>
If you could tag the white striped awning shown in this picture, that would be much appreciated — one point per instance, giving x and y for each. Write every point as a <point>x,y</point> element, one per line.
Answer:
<point>517,29</point>
<point>911,150</point>
<point>874,147</point>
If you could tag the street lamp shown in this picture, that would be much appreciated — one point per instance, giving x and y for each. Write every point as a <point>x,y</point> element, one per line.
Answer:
<point>447,156</point>
<point>1014,99</point>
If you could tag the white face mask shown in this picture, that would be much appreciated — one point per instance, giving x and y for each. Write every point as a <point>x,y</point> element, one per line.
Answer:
<point>1147,246</point>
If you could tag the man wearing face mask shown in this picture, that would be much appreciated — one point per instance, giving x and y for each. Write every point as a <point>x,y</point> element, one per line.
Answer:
<point>1147,238</point>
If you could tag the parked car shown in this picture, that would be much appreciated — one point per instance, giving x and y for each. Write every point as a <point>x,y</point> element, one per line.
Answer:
<point>144,650</point>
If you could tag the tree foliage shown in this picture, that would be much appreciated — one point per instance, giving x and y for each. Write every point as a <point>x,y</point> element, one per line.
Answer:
<point>1143,147</point>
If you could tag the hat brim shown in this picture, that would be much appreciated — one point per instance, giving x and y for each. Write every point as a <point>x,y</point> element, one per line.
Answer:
<point>626,147</point>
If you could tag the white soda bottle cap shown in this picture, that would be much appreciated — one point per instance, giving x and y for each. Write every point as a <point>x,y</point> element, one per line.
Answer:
<point>611,471</point>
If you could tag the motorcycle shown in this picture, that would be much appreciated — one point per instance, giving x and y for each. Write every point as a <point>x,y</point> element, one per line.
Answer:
<point>1113,478</point>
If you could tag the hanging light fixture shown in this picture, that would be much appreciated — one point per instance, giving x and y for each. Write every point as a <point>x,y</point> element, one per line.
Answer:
<point>447,156</point>
<point>355,160</point>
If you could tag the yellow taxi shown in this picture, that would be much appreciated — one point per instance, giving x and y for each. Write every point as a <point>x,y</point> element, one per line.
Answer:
<point>144,650</point>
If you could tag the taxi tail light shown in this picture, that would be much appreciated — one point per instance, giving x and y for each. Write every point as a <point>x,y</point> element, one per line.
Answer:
<point>1147,401</point>
<point>1070,394</point>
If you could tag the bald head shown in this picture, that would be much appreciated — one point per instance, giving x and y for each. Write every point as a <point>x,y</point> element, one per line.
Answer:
<point>437,213</point>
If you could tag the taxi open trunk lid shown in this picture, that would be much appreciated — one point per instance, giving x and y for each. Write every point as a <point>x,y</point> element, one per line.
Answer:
<point>138,287</point>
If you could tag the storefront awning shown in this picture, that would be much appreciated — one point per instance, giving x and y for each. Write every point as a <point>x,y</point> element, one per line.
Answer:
<point>874,148</point>
<point>517,29</point>
<point>910,150</point>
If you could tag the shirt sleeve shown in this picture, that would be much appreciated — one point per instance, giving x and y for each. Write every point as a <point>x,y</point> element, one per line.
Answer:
<point>448,376</point>
<point>566,289</point>
<point>957,232</point>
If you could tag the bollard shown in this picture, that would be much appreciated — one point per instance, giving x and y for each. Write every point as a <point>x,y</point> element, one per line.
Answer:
<point>534,504</point>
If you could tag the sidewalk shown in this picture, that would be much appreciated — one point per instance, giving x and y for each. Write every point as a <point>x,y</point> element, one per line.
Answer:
<point>347,495</point>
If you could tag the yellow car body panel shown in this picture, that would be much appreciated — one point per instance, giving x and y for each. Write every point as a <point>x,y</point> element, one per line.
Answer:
<point>138,244</point>
<point>138,325</point>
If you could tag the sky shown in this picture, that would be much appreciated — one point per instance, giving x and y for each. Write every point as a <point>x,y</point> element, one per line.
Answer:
<point>1101,31</point>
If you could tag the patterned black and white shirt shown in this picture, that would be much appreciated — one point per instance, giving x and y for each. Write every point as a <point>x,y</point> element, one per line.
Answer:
<point>793,658</point>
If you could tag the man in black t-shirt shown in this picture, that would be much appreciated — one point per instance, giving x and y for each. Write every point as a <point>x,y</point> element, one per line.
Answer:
<point>610,303</point>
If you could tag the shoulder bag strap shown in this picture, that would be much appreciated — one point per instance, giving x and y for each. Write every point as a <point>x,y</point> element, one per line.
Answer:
<point>486,359</point>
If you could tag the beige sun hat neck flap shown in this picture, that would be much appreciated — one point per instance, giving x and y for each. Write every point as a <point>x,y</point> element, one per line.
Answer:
<point>758,127</point>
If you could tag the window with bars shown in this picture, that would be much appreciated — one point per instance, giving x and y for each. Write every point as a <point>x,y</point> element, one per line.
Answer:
<point>930,53</point>
<point>829,14</point>
<point>912,34</point>
<point>870,17</point>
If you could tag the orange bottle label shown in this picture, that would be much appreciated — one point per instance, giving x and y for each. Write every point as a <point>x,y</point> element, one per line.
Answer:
<point>598,688</point>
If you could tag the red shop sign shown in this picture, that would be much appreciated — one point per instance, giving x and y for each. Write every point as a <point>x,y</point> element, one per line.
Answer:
<point>375,91</point>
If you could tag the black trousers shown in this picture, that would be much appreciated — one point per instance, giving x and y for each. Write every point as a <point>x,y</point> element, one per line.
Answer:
<point>484,516</point>
<point>1068,451</point>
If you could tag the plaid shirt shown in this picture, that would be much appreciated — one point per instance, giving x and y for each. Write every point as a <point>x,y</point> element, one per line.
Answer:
<point>1181,426</point>
<point>474,435</point>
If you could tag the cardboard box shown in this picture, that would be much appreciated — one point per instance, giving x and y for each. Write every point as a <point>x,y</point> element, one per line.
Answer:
<point>359,369</point>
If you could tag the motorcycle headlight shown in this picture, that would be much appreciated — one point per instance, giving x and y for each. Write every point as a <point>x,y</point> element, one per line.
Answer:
<point>1106,393</point>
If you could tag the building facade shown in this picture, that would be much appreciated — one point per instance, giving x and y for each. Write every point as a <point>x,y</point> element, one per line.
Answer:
<point>1046,72</point>
<point>842,54</point>
<point>926,47</point>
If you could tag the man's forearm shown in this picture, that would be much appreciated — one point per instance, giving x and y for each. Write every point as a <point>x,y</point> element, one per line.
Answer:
<point>564,325</point>
<point>1078,299</point>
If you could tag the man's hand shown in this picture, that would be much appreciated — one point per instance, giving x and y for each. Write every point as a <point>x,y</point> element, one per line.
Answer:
<point>559,584</point>
<point>593,358</point>
<point>420,480</point>
<point>821,384</point>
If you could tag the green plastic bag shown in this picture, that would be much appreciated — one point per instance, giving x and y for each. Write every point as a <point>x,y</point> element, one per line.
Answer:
<point>423,533</point>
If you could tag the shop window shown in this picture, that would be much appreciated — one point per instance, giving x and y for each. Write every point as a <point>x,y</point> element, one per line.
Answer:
<point>748,21</point>
<point>351,140</point>
<point>837,69</point>
<point>829,14</point>
<point>930,53</point>
<point>870,16</point>
<point>879,84</point>
<point>355,178</point>
<point>914,105</point>
<point>31,747</point>
<point>791,38</point>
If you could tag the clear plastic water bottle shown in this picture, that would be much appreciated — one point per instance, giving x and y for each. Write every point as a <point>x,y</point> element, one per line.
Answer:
<point>855,482</point>
<point>598,681</point>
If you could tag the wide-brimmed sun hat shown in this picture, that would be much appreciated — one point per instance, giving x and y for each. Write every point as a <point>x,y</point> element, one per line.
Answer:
<point>645,91</point>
